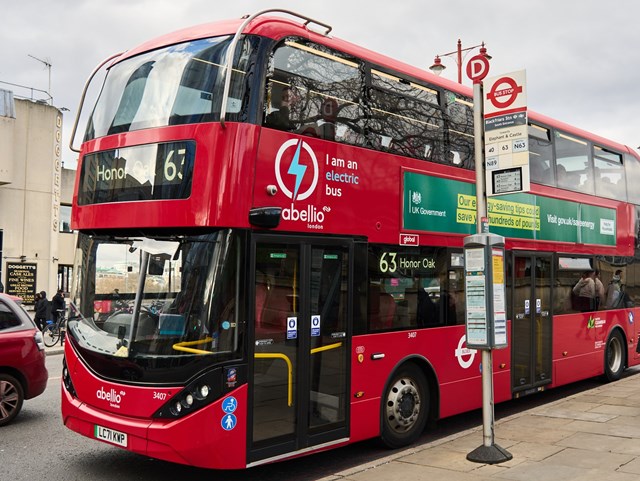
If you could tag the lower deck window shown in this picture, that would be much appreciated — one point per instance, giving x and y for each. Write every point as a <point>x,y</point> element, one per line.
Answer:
<point>413,287</point>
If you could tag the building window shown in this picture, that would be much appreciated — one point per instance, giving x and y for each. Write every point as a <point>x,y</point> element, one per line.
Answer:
<point>65,218</point>
<point>65,274</point>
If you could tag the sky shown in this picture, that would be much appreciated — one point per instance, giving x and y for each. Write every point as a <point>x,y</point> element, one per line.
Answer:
<point>582,59</point>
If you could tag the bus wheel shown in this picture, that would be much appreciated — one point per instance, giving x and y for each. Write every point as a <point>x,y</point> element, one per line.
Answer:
<point>405,408</point>
<point>614,357</point>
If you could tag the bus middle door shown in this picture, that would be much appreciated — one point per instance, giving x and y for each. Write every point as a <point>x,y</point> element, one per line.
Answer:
<point>299,380</point>
<point>531,322</point>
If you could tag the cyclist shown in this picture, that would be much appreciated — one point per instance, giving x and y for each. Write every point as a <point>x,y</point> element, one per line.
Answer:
<point>57,305</point>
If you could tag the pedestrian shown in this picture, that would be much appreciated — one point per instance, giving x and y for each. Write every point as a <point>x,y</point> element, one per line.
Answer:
<point>57,305</point>
<point>43,310</point>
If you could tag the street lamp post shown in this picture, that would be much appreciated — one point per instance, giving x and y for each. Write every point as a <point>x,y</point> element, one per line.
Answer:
<point>438,67</point>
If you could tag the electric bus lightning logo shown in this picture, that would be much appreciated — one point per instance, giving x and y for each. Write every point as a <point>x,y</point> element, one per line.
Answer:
<point>296,169</point>
<point>297,172</point>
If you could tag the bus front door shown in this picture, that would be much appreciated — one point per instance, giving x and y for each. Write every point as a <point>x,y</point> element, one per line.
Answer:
<point>300,375</point>
<point>531,323</point>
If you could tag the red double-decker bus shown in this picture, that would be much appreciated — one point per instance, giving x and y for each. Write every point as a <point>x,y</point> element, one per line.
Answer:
<point>271,224</point>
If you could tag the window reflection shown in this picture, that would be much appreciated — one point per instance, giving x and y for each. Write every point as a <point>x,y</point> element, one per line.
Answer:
<point>573,169</point>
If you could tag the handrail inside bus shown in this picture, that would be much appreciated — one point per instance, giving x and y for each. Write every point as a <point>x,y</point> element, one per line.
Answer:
<point>232,50</point>
<point>326,348</point>
<point>285,358</point>
<point>182,346</point>
<point>84,93</point>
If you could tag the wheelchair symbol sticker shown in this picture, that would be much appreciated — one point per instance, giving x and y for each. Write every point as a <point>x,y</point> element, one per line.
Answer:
<point>229,404</point>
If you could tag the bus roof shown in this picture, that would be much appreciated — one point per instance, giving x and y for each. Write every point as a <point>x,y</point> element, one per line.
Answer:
<point>278,27</point>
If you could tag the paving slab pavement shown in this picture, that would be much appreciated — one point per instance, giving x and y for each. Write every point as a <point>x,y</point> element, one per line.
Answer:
<point>592,435</point>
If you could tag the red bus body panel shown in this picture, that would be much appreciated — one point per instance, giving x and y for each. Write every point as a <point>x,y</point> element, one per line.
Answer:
<point>580,339</point>
<point>197,439</point>
<point>441,351</point>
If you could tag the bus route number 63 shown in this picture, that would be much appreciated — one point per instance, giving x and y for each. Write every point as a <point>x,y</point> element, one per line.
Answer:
<point>173,165</point>
<point>388,262</point>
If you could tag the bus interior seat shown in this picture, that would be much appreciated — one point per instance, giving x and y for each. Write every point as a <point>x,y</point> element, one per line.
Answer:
<point>382,309</point>
<point>387,309</point>
<point>277,308</point>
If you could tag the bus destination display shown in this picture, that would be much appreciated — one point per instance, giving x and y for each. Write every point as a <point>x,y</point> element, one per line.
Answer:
<point>142,172</point>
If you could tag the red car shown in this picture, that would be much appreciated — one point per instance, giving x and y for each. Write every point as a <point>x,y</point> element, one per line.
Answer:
<point>23,374</point>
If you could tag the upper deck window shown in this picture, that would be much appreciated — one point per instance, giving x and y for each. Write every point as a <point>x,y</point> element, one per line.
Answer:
<point>179,84</point>
<point>609,174</point>
<point>540,155</point>
<point>459,131</point>
<point>632,170</point>
<point>405,117</point>
<point>314,91</point>
<point>573,169</point>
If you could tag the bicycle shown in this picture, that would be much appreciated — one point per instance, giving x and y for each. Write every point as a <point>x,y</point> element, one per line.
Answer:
<point>54,331</point>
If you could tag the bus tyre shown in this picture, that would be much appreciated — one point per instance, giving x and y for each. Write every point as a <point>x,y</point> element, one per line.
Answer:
<point>405,407</point>
<point>614,358</point>
<point>11,398</point>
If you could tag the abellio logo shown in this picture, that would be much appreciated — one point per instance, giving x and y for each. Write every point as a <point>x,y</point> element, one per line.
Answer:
<point>112,397</point>
<point>299,154</point>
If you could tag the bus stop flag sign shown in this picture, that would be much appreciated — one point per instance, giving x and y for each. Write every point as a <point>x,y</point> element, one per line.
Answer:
<point>505,134</point>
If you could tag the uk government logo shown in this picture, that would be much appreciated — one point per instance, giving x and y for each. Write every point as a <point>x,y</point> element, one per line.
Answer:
<point>299,182</point>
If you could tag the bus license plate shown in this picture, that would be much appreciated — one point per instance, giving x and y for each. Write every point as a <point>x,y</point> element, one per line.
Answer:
<point>110,436</point>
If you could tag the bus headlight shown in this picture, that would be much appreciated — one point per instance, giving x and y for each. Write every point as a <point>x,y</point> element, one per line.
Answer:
<point>202,392</point>
<point>209,387</point>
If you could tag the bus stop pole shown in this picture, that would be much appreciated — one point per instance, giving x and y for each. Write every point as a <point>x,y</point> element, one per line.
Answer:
<point>489,452</point>
<point>482,223</point>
